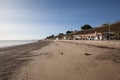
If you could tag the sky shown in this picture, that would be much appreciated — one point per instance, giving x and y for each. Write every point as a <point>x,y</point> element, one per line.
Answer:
<point>37,19</point>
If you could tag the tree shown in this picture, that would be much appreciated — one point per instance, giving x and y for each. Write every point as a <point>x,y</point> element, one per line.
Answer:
<point>105,24</point>
<point>49,37</point>
<point>61,34</point>
<point>68,32</point>
<point>86,26</point>
<point>52,35</point>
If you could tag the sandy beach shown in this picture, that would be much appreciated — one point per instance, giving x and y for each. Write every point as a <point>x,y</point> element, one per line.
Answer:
<point>60,60</point>
<point>12,58</point>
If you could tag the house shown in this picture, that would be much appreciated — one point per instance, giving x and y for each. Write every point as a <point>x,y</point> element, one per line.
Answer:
<point>89,36</point>
<point>111,36</point>
<point>64,38</point>
<point>76,37</point>
<point>57,38</point>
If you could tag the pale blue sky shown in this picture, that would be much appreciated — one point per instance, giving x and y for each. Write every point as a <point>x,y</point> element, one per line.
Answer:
<point>36,19</point>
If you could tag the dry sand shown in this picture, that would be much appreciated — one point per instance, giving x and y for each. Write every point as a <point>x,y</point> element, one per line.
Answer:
<point>67,61</point>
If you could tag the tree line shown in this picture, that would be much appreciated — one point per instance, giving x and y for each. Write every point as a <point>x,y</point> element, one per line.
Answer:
<point>84,27</point>
<point>115,27</point>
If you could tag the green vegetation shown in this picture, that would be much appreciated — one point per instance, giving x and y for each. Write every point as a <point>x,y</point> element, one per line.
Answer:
<point>68,32</point>
<point>86,26</point>
<point>60,35</point>
<point>50,37</point>
<point>86,29</point>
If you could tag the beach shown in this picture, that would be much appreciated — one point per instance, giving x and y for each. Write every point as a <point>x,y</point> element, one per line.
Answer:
<point>60,60</point>
<point>12,58</point>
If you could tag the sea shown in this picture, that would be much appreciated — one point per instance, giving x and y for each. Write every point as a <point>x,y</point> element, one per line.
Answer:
<point>8,43</point>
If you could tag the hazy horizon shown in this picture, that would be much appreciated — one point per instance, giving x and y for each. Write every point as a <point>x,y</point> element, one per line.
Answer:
<point>37,19</point>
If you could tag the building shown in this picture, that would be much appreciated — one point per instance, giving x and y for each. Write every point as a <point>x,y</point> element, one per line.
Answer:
<point>89,36</point>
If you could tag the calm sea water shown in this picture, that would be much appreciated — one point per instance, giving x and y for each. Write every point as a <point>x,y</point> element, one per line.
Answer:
<point>7,43</point>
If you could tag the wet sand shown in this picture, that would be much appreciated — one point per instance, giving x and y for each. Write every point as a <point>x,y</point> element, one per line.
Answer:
<point>12,58</point>
<point>60,61</point>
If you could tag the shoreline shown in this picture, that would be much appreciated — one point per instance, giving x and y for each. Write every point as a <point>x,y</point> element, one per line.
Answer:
<point>11,58</point>
<point>12,43</point>
<point>59,60</point>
